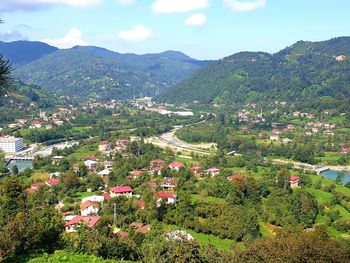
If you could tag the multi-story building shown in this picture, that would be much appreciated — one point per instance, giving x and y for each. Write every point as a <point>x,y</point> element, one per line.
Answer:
<point>11,144</point>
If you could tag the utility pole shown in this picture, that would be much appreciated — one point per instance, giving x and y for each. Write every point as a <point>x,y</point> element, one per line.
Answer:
<point>114,214</point>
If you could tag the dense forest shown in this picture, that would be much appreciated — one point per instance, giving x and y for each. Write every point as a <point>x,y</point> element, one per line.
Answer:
<point>95,72</point>
<point>307,74</point>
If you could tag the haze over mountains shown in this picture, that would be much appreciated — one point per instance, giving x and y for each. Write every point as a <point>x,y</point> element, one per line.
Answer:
<point>307,73</point>
<point>84,72</point>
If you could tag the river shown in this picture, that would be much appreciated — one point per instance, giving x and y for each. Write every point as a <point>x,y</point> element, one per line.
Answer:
<point>334,174</point>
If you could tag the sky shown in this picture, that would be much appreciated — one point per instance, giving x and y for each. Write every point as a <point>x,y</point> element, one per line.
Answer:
<point>203,29</point>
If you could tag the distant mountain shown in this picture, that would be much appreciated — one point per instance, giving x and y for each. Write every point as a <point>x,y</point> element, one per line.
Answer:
<point>92,72</point>
<point>21,52</point>
<point>307,73</point>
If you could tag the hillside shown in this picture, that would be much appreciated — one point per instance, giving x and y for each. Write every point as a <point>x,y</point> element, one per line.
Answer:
<point>317,72</point>
<point>21,52</point>
<point>92,72</point>
<point>23,101</point>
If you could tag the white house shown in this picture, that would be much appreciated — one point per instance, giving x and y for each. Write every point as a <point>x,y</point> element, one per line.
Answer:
<point>91,165</point>
<point>168,198</point>
<point>89,208</point>
<point>104,172</point>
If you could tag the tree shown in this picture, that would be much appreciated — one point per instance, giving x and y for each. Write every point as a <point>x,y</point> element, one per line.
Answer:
<point>5,79</point>
<point>14,170</point>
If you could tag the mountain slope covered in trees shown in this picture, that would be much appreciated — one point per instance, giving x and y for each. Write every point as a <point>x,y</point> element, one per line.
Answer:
<point>85,72</point>
<point>306,73</point>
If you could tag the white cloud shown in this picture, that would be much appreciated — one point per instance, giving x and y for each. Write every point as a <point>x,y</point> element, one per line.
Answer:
<point>13,5</point>
<point>197,19</point>
<point>126,2</point>
<point>178,6</point>
<point>71,39</point>
<point>137,34</point>
<point>243,5</point>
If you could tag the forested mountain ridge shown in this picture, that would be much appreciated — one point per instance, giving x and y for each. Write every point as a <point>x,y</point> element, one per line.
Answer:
<point>21,52</point>
<point>317,72</point>
<point>84,72</point>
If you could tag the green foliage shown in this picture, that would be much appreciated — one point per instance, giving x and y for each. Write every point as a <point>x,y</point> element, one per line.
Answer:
<point>305,70</point>
<point>81,72</point>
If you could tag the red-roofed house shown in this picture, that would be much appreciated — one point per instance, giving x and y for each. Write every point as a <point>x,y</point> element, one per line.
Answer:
<point>136,173</point>
<point>294,181</point>
<point>106,196</point>
<point>52,182</point>
<point>89,221</point>
<point>176,166</point>
<point>35,186</point>
<point>88,207</point>
<point>157,170</point>
<point>345,150</point>
<point>141,204</point>
<point>196,170</point>
<point>165,197</point>
<point>120,191</point>
<point>157,162</point>
<point>104,146</point>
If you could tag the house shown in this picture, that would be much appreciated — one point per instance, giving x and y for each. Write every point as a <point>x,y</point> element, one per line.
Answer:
<point>106,196</point>
<point>152,185</point>
<point>91,165</point>
<point>89,221</point>
<point>88,207</point>
<point>165,197</point>
<point>157,162</point>
<point>294,181</point>
<point>136,173</point>
<point>176,166</point>
<point>76,168</point>
<point>121,191</point>
<point>140,227</point>
<point>37,124</point>
<point>56,160</point>
<point>169,183</point>
<point>212,171</point>
<point>104,172</point>
<point>157,170</point>
<point>94,198</point>
<point>52,182</point>
<point>108,164</point>
<point>121,145</point>
<point>196,170</point>
<point>141,204</point>
<point>286,140</point>
<point>345,150</point>
<point>35,186</point>
<point>274,138</point>
<point>275,131</point>
<point>104,146</point>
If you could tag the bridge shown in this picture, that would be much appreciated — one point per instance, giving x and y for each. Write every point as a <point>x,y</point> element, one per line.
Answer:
<point>19,158</point>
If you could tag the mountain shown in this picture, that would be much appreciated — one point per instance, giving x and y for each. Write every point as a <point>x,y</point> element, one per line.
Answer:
<point>93,72</point>
<point>306,73</point>
<point>21,52</point>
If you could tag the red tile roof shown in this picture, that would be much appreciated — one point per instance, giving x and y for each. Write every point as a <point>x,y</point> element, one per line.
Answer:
<point>176,165</point>
<point>88,203</point>
<point>103,143</point>
<point>294,178</point>
<point>157,161</point>
<point>106,196</point>
<point>35,186</point>
<point>90,221</point>
<point>165,195</point>
<point>121,189</point>
<point>53,182</point>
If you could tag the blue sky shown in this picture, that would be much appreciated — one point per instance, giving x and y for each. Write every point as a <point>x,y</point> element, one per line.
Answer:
<point>203,29</point>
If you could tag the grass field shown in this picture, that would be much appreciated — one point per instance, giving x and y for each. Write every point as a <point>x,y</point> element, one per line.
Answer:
<point>186,160</point>
<point>208,199</point>
<point>322,197</point>
<point>208,240</point>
